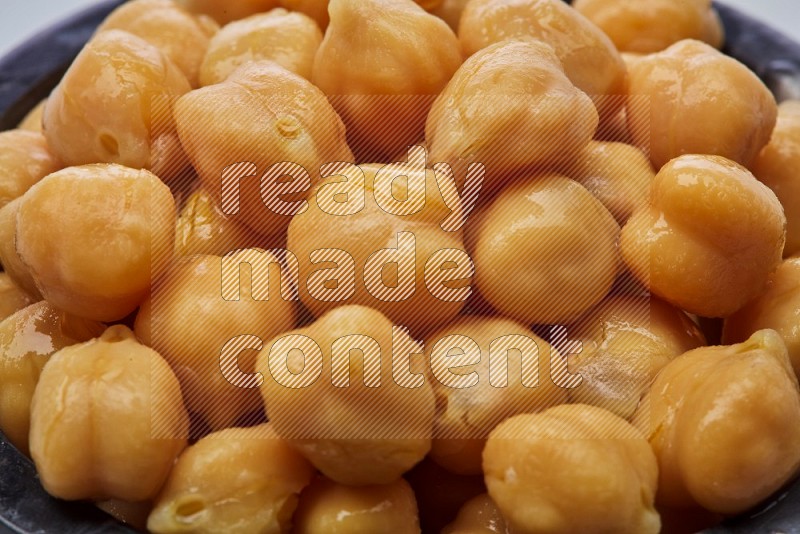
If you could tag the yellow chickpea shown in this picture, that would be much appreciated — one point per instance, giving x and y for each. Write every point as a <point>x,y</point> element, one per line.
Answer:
<point>710,237</point>
<point>470,408</point>
<point>589,57</point>
<point>33,120</point>
<point>95,237</point>
<point>289,39</point>
<point>572,468</point>
<point>190,320</point>
<point>330,508</point>
<point>450,12</point>
<point>27,340</point>
<point>107,420</point>
<point>510,107</point>
<point>24,160</point>
<point>238,481</point>
<point>260,117</point>
<point>625,343</point>
<point>13,266</point>
<point>225,11</point>
<point>365,422</point>
<point>12,297</point>
<point>384,60</point>
<point>479,515</point>
<point>316,9</point>
<point>724,423</point>
<point>652,26</point>
<point>545,251</point>
<point>699,101</point>
<point>773,167</point>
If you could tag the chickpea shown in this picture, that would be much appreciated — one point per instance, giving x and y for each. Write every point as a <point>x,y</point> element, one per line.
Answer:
<point>95,237</point>
<point>700,102</point>
<point>225,11</point>
<point>131,513</point>
<point>316,9</point>
<point>266,115</point>
<point>33,120</point>
<point>107,420</point>
<point>625,343</point>
<point>450,12</point>
<point>24,160</point>
<point>330,508</point>
<point>479,515</point>
<point>589,57</point>
<point>773,168</point>
<point>238,480</point>
<point>510,107</point>
<point>467,414</point>
<point>652,26</point>
<point>383,59</point>
<point>289,39</point>
<point>724,423</point>
<point>188,320</point>
<point>203,229</point>
<point>12,297</point>
<point>545,251</point>
<point>710,237</point>
<point>13,266</point>
<point>356,434</point>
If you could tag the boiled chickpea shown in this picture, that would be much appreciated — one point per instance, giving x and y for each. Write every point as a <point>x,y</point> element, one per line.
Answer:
<point>316,9</point>
<point>238,481</point>
<point>24,160</point>
<point>700,101</point>
<point>329,508</point>
<point>384,59</point>
<point>225,11</point>
<point>450,12</point>
<point>107,420</point>
<point>353,433</point>
<point>479,515</point>
<point>572,468</point>
<point>710,237</point>
<point>17,271</point>
<point>33,120</point>
<point>95,237</point>
<point>724,423</point>
<point>12,297</point>
<point>510,107</point>
<point>289,39</point>
<point>189,321</point>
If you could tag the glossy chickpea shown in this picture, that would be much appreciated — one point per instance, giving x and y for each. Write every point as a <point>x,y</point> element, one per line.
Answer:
<point>225,11</point>
<point>710,237</point>
<point>572,468</point>
<point>190,318</point>
<point>479,515</point>
<point>510,107</point>
<point>700,102</point>
<point>724,423</point>
<point>12,297</point>
<point>17,271</point>
<point>625,342</point>
<point>382,59</point>
<point>107,420</point>
<point>648,27</point>
<point>33,120</point>
<point>265,115</point>
<point>290,39</point>
<point>238,480</point>
<point>364,435</point>
<point>24,160</point>
<point>27,340</point>
<point>589,57</point>
<point>470,408</point>
<point>327,507</point>
<point>95,237</point>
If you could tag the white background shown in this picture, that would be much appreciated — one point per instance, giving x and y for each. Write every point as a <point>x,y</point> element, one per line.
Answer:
<point>21,18</point>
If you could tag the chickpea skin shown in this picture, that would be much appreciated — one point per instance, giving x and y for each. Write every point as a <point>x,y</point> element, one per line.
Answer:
<point>479,515</point>
<point>316,9</point>
<point>12,297</point>
<point>24,160</point>
<point>225,11</point>
<point>33,120</point>
<point>710,237</point>
<point>17,271</point>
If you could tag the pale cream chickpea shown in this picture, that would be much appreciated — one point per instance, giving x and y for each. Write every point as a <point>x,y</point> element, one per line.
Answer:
<point>290,39</point>
<point>724,423</point>
<point>96,237</point>
<point>510,107</point>
<point>12,297</point>
<point>709,238</point>
<point>479,515</point>
<point>545,250</point>
<point>366,422</point>
<point>572,468</point>
<point>384,60</point>
<point>773,167</point>
<point>33,120</point>
<point>652,26</point>
<point>13,266</point>
<point>107,420</point>
<point>190,318</point>
<point>700,101</point>
<point>117,111</point>
<point>329,508</point>
<point>238,481</point>
<point>245,128</point>
<point>625,342</point>
<point>589,57</point>
<point>501,355</point>
<point>27,340</point>
<point>24,160</point>
<point>225,11</point>
<point>316,9</point>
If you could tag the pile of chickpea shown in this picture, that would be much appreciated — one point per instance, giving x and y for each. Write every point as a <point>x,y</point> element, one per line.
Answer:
<point>639,194</point>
